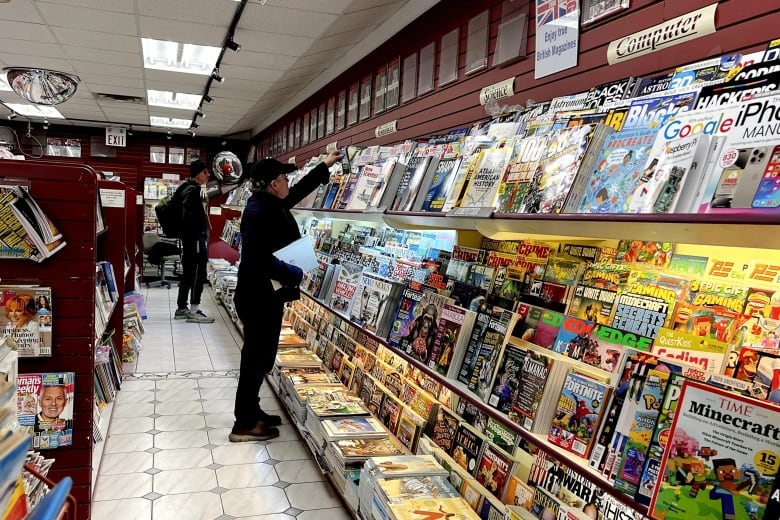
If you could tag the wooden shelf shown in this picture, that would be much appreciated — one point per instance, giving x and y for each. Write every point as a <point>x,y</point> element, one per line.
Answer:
<point>735,230</point>
<point>572,461</point>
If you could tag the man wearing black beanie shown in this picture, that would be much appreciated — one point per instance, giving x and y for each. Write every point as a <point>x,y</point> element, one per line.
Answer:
<point>194,246</point>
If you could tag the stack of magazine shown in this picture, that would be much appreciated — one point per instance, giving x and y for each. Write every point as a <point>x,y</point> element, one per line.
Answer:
<point>333,404</point>
<point>296,400</point>
<point>392,487</point>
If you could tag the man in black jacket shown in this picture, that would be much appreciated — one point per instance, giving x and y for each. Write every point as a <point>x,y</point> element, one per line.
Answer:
<point>266,226</point>
<point>194,246</point>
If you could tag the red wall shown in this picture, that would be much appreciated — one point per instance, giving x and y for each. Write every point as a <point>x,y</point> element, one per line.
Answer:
<point>742,26</point>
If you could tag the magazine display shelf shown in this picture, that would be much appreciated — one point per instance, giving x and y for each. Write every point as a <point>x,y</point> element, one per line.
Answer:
<point>575,463</point>
<point>735,230</point>
<point>68,194</point>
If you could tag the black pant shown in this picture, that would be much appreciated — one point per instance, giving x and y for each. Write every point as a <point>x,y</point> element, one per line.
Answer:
<point>194,256</point>
<point>262,320</point>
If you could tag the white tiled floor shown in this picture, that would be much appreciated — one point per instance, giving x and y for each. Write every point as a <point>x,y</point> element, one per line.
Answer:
<point>167,455</point>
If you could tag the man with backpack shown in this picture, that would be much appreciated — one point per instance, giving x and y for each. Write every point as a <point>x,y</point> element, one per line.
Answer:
<point>194,235</point>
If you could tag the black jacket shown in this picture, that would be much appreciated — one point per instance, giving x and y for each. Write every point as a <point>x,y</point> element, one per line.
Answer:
<point>196,222</point>
<point>266,226</point>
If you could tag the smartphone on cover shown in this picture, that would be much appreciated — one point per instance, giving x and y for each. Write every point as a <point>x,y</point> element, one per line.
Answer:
<point>756,162</point>
<point>768,193</point>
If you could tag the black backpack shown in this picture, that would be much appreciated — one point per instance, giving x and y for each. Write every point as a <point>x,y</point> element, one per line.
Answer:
<point>170,214</point>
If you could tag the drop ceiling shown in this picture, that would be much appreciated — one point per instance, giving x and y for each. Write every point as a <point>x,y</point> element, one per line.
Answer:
<point>289,50</point>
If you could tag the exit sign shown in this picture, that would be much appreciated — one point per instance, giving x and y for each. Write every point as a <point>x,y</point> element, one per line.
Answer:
<point>116,136</point>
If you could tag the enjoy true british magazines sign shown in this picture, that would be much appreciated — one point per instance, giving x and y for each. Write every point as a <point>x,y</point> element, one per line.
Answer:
<point>557,36</point>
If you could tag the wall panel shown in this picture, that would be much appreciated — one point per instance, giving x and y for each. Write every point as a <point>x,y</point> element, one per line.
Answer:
<point>741,27</point>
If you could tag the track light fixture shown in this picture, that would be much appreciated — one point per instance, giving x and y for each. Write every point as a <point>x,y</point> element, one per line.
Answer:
<point>199,113</point>
<point>216,77</point>
<point>45,124</point>
<point>130,130</point>
<point>194,125</point>
<point>12,115</point>
<point>208,99</point>
<point>170,134</point>
<point>191,132</point>
<point>232,45</point>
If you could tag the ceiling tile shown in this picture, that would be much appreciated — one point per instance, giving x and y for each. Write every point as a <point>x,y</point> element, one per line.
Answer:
<point>283,44</point>
<point>113,42</point>
<point>259,59</point>
<point>276,20</point>
<point>214,12</point>
<point>30,48</point>
<point>104,68</point>
<point>111,81</point>
<point>250,73</point>
<point>93,19</point>
<point>182,32</point>
<point>362,5</point>
<point>122,6</point>
<point>32,32</point>
<point>321,6</point>
<point>21,12</point>
<point>98,55</point>
<point>18,60</point>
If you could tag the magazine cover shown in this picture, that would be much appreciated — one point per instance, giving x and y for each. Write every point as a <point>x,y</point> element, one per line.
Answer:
<point>617,171</point>
<point>723,458</point>
<point>372,302</point>
<point>648,303</point>
<point>425,509</point>
<point>533,378</point>
<point>507,378</point>
<point>482,189</point>
<point>441,184</point>
<point>450,329</point>
<point>517,180</point>
<point>45,405</point>
<point>493,470</point>
<point>345,287</point>
<point>596,345</point>
<point>579,412</point>
<point>443,429</point>
<point>26,316</point>
<point>467,447</point>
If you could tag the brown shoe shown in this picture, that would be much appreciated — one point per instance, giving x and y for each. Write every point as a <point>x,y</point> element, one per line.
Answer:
<point>260,432</point>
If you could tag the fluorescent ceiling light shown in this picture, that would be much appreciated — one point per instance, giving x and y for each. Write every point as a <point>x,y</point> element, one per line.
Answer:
<point>170,122</point>
<point>4,83</point>
<point>179,57</point>
<point>35,110</point>
<point>163,98</point>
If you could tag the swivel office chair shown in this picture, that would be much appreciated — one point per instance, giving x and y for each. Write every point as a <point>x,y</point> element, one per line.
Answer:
<point>160,253</point>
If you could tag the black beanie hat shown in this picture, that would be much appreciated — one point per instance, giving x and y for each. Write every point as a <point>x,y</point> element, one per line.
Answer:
<point>196,167</point>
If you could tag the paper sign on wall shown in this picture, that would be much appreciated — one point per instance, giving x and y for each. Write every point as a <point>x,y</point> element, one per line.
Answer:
<point>557,36</point>
<point>112,198</point>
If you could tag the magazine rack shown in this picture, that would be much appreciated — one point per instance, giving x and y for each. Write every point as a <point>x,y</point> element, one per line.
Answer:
<point>67,193</point>
<point>62,506</point>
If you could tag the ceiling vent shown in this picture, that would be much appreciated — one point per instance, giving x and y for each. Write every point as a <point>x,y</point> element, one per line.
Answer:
<point>119,98</point>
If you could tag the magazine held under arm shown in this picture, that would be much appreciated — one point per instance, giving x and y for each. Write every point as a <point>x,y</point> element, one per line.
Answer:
<point>300,254</point>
